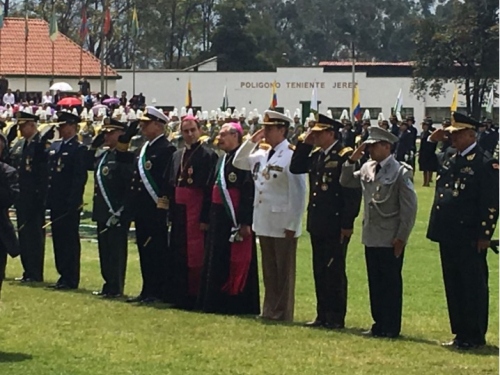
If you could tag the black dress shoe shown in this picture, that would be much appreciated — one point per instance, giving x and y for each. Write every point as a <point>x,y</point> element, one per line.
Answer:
<point>466,345</point>
<point>52,286</point>
<point>64,287</point>
<point>314,324</point>
<point>150,300</point>
<point>139,298</point>
<point>333,325</point>
<point>372,333</point>
<point>112,295</point>
<point>391,335</point>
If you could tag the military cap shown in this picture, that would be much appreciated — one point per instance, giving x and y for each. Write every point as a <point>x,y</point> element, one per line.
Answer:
<point>376,134</point>
<point>462,122</point>
<point>275,118</point>
<point>25,116</point>
<point>410,118</point>
<point>326,123</point>
<point>154,114</point>
<point>67,118</point>
<point>110,124</point>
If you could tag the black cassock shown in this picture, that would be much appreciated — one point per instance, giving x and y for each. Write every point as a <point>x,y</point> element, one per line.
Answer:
<point>230,283</point>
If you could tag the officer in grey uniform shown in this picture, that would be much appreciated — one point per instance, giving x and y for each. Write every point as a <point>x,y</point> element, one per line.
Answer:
<point>390,208</point>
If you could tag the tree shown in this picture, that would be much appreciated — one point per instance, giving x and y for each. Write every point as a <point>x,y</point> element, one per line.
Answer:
<point>462,48</point>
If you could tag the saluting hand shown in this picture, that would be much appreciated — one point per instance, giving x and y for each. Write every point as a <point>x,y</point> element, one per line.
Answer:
<point>438,135</point>
<point>358,153</point>
<point>257,136</point>
<point>309,139</point>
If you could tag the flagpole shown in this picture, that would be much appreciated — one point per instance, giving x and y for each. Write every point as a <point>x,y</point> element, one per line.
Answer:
<point>133,67</point>
<point>26,59</point>
<point>353,77</point>
<point>1,49</point>
<point>81,60</point>
<point>102,59</point>
<point>53,61</point>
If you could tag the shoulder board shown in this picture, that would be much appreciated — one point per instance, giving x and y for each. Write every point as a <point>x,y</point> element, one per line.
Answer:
<point>292,147</point>
<point>301,137</point>
<point>345,150</point>
<point>316,150</point>
<point>264,146</point>
<point>407,166</point>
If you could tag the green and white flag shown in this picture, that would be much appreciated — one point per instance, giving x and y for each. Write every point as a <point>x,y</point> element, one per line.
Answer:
<point>53,30</point>
<point>399,102</point>
<point>225,100</point>
<point>490,102</point>
<point>314,100</point>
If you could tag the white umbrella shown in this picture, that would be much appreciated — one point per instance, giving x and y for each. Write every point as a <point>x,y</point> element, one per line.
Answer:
<point>61,86</point>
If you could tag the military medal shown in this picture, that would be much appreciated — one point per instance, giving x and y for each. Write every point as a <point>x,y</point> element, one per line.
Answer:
<point>114,220</point>
<point>324,185</point>
<point>59,165</point>
<point>190,173</point>
<point>266,173</point>
<point>232,177</point>
<point>105,171</point>
<point>455,191</point>
<point>148,165</point>
<point>28,164</point>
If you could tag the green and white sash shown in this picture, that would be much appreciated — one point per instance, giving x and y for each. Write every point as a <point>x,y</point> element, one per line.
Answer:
<point>228,203</point>
<point>114,211</point>
<point>147,179</point>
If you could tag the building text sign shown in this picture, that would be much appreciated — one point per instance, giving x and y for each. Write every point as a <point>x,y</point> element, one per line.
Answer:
<point>295,85</point>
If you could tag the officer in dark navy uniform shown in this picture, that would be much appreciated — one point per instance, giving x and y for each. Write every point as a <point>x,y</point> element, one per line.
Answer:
<point>111,183</point>
<point>404,147</point>
<point>28,156</point>
<point>463,218</point>
<point>67,178</point>
<point>149,204</point>
<point>331,213</point>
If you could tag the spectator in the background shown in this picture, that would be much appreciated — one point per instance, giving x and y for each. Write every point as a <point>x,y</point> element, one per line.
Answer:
<point>84,86</point>
<point>427,158</point>
<point>18,96</point>
<point>57,97</point>
<point>47,98</point>
<point>142,99</point>
<point>123,99</point>
<point>4,85</point>
<point>9,97</point>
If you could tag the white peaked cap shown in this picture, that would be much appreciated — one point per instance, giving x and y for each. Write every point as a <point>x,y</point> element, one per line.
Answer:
<point>190,112</point>
<point>287,113</point>
<point>399,117</point>
<point>228,112</point>
<point>236,114</point>
<point>366,115</point>
<point>311,117</point>
<point>176,112</point>
<point>54,116</point>
<point>297,113</point>
<point>381,117</point>
<point>75,112</point>
<point>260,118</point>
<point>329,114</point>
<point>91,115</point>
<point>250,115</point>
<point>198,115</point>
<point>183,111</point>
<point>84,113</point>
<point>344,115</point>
<point>204,115</point>
<point>213,114</point>
<point>243,112</point>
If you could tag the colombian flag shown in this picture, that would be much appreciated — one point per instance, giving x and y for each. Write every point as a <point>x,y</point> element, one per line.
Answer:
<point>454,101</point>
<point>189,97</point>
<point>356,106</point>
<point>274,98</point>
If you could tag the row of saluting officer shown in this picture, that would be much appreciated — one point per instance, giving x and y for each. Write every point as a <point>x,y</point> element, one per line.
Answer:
<point>217,206</point>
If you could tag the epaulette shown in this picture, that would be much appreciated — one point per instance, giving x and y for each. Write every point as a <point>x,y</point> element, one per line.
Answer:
<point>345,150</point>
<point>204,139</point>
<point>292,147</point>
<point>301,137</point>
<point>406,165</point>
<point>316,150</point>
<point>264,146</point>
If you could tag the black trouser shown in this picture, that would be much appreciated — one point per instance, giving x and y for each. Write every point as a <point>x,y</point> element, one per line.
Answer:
<point>386,289</point>
<point>152,244</point>
<point>113,243</point>
<point>465,274</point>
<point>330,279</point>
<point>67,249</point>
<point>30,221</point>
<point>3,265</point>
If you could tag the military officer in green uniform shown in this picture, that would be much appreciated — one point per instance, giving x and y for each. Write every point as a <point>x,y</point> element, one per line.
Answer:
<point>111,182</point>
<point>29,158</point>
<point>463,219</point>
<point>330,217</point>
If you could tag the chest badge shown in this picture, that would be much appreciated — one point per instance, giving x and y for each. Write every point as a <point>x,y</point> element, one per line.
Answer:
<point>148,165</point>
<point>232,177</point>
<point>190,174</point>
<point>105,170</point>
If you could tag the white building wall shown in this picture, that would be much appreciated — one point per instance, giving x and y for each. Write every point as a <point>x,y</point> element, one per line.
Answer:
<point>43,84</point>
<point>253,89</point>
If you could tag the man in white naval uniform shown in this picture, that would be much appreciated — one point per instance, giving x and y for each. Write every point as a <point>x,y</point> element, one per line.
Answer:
<point>278,207</point>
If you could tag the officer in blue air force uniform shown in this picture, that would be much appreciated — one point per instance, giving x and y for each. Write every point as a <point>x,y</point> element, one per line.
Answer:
<point>67,179</point>
<point>390,209</point>
<point>111,183</point>
<point>330,217</point>
<point>463,218</point>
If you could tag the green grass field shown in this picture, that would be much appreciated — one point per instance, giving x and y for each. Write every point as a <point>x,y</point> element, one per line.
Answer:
<point>51,332</point>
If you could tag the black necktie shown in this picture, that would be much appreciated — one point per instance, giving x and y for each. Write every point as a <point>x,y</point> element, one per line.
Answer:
<point>271,153</point>
<point>378,168</point>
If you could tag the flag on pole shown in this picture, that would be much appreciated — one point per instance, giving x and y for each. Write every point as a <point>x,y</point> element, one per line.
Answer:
<point>274,97</point>
<point>53,30</point>
<point>454,101</point>
<point>399,103</point>
<point>356,105</point>
<point>134,30</point>
<point>107,21</point>
<point>84,28</point>
<point>1,17</point>
<point>26,29</point>
<point>189,96</point>
<point>225,100</point>
<point>490,102</point>
<point>314,101</point>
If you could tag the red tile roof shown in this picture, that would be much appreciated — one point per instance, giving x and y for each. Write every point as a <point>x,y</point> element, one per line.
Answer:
<point>66,52</point>
<point>365,63</point>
